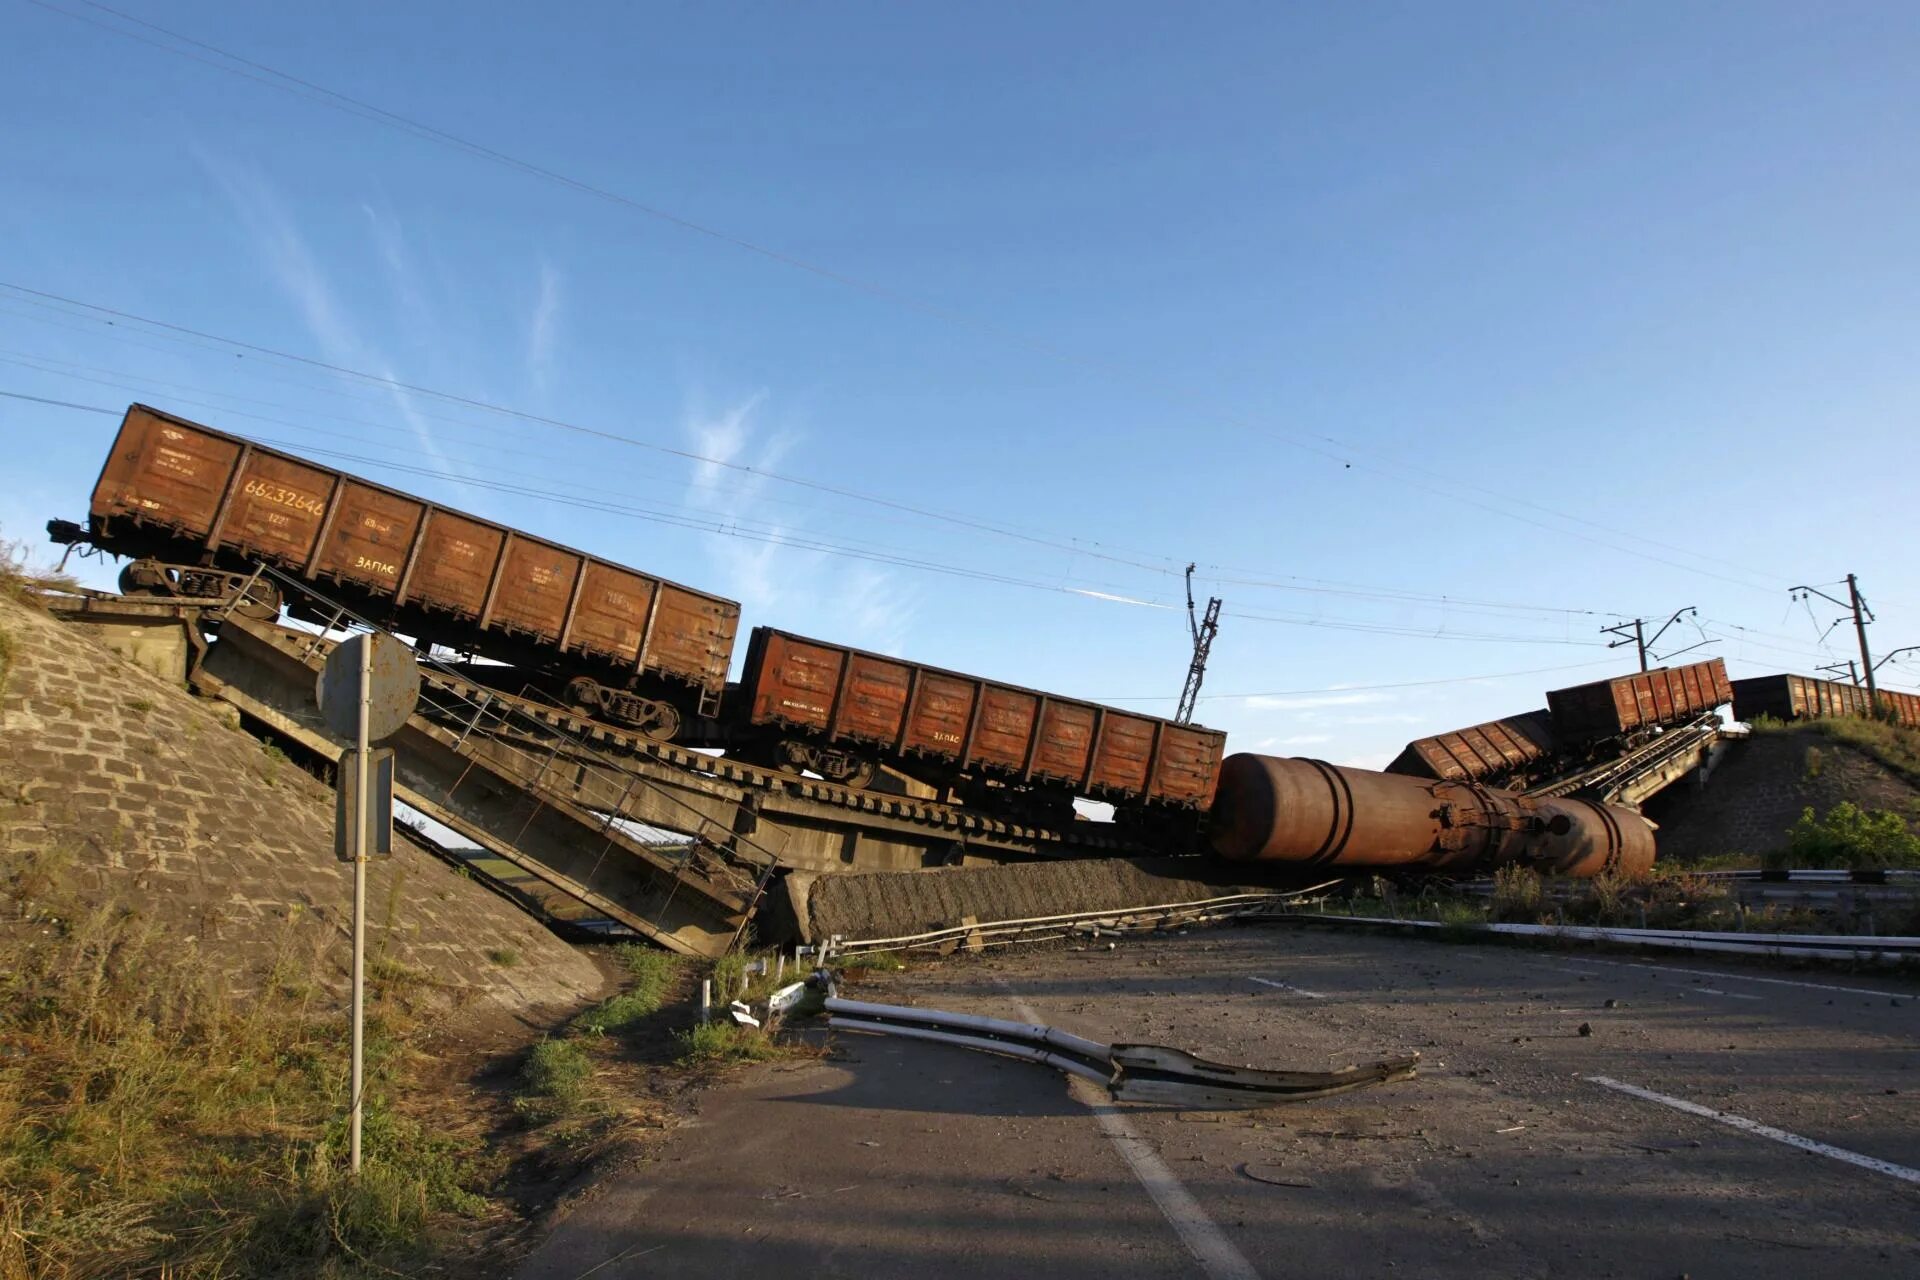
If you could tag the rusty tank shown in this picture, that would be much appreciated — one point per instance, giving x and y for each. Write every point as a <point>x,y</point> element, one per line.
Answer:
<point>1270,809</point>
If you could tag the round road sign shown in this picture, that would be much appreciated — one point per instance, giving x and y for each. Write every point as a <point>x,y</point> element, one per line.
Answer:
<point>393,687</point>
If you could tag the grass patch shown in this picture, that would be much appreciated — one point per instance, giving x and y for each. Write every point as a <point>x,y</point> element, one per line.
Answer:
<point>19,580</point>
<point>715,1044</point>
<point>151,1123</point>
<point>139,706</point>
<point>1896,747</point>
<point>872,961</point>
<point>1462,921</point>
<point>505,957</point>
<point>557,1069</point>
<point>1517,895</point>
<point>652,974</point>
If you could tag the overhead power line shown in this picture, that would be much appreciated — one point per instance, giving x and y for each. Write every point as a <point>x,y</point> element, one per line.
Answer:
<point>1326,446</point>
<point>1370,688</point>
<point>112,315</point>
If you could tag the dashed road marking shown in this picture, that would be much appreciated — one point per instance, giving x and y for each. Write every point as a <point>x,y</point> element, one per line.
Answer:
<point>1745,1125</point>
<point>1199,1233</point>
<point>1288,987</point>
<point>1743,977</point>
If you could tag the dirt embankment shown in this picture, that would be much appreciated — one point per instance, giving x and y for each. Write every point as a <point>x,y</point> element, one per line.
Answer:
<point>1762,786</point>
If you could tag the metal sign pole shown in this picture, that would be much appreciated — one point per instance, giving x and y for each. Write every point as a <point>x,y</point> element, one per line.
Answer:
<point>366,691</point>
<point>362,755</point>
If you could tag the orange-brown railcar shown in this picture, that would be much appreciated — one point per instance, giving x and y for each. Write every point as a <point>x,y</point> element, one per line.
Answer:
<point>828,698</point>
<point>177,491</point>
<point>1625,705</point>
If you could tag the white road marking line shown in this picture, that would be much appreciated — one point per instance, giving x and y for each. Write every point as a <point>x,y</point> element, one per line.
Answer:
<point>1288,986</point>
<point>1887,1167</point>
<point>1200,1234</point>
<point>1711,991</point>
<point>1742,977</point>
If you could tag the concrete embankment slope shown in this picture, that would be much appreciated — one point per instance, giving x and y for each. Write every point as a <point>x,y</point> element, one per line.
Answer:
<point>145,797</point>
<point>887,904</point>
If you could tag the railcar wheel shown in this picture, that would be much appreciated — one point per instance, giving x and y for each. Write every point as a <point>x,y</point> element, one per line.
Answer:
<point>146,578</point>
<point>261,602</point>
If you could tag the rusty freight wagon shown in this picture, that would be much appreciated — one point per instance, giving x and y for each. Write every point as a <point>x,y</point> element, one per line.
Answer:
<point>841,711</point>
<point>186,499</point>
<point>1499,749</point>
<point>1789,697</point>
<point>1627,706</point>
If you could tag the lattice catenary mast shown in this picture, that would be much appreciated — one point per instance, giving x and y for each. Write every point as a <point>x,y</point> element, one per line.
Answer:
<point>1203,634</point>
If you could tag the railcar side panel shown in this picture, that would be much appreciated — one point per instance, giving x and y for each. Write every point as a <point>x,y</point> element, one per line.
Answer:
<point>533,588</point>
<point>1122,754</point>
<point>691,636</point>
<point>166,473</point>
<point>873,699</point>
<point>275,508</point>
<point>1003,728</point>
<point>369,535</point>
<point>941,712</point>
<point>455,564</point>
<point>1064,745</point>
<point>794,682</point>
<point>610,616</point>
<point>1188,765</point>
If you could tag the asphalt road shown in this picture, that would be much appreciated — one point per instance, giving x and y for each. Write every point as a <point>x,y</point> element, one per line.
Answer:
<point>1524,1148</point>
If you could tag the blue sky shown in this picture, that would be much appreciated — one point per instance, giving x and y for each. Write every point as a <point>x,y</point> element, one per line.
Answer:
<point>1438,335</point>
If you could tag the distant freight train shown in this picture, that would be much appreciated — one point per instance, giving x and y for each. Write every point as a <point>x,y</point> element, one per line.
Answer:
<point>1805,698</point>
<point>195,506</point>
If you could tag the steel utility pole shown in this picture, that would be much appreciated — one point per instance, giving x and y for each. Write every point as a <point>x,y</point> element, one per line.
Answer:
<point>1639,637</point>
<point>1855,604</point>
<point>1203,634</point>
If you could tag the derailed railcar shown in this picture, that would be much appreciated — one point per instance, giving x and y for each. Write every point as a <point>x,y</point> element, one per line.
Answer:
<point>1627,706</point>
<point>839,711</point>
<point>1499,749</point>
<point>1790,697</point>
<point>178,492</point>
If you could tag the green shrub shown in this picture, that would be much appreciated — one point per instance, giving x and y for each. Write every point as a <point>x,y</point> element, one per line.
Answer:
<point>557,1069</point>
<point>1849,836</point>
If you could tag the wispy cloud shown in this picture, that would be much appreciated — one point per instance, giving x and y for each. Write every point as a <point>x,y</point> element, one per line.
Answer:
<point>543,326</point>
<point>1107,595</point>
<point>1293,740</point>
<point>1298,702</point>
<point>864,603</point>
<point>290,260</point>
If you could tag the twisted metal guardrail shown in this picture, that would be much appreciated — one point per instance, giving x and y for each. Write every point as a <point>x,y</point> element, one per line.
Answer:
<point>1142,1073</point>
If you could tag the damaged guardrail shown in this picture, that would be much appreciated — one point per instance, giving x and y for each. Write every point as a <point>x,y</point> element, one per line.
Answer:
<point>1120,920</point>
<point>1851,948</point>
<point>1146,1073</point>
